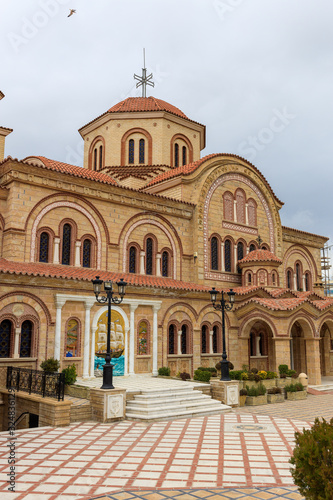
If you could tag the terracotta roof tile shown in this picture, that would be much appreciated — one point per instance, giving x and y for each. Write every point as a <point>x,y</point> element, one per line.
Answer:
<point>259,255</point>
<point>134,104</point>
<point>138,171</point>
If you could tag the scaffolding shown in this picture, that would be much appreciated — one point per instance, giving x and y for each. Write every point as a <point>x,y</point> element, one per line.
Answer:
<point>325,269</point>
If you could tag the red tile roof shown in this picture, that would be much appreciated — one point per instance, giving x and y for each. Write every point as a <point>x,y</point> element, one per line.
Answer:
<point>259,255</point>
<point>134,104</point>
<point>66,168</point>
<point>138,171</point>
<point>286,304</point>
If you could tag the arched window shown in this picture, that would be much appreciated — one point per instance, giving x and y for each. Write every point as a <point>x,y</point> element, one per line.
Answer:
<point>141,151</point>
<point>86,253</point>
<point>227,256</point>
<point>6,328</point>
<point>66,244</point>
<point>252,341</point>
<point>240,254</point>
<point>26,337</point>
<point>252,212</point>
<point>44,247</point>
<point>172,339</point>
<point>95,159</point>
<point>204,339</point>
<point>263,247</point>
<point>215,338</point>
<point>214,253</point>
<point>184,155</point>
<point>100,157</point>
<point>184,341</point>
<point>132,260</point>
<point>249,279</point>
<point>307,282</point>
<point>131,151</point>
<point>228,206</point>
<point>298,276</point>
<point>252,247</point>
<point>240,206</point>
<point>72,338</point>
<point>176,155</point>
<point>165,264</point>
<point>149,256</point>
<point>289,279</point>
<point>274,278</point>
<point>143,344</point>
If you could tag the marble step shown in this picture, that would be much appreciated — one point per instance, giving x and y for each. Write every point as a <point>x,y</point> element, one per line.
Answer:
<point>195,412</point>
<point>169,398</point>
<point>326,387</point>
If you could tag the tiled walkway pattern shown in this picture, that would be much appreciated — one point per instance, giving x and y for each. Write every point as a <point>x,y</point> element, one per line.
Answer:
<point>90,459</point>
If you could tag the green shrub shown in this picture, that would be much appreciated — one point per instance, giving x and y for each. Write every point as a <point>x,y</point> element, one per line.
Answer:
<point>283,369</point>
<point>291,373</point>
<point>299,386</point>
<point>164,371</point>
<point>184,376</point>
<point>254,370</point>
<point>70,374</point>
<point>271,375</point>
<point>210,369</point>
<point>235,374</point>
<point>244,376</point>
<point>262,389</point>
<point>252,391</point>
<point>294,387</point>
<point>50,365</point>
<point>202,376</point>
<point>274,390</point>
<point>313,461</point>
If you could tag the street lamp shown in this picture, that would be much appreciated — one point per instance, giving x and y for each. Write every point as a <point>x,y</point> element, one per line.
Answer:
<point>109,298</point>
<point>222,305</point>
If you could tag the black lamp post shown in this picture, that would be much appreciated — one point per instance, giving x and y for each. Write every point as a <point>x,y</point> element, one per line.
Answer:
<point>109,298</point>
<point>222,305</point>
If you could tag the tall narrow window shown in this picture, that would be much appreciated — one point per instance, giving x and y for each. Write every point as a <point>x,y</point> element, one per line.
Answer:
<point>215,338</point>
<point>228,206</point>
<point>249,279</point>
<point>72,339</point>
<point>252,212</point>
<point>95,159</point>
<point>184,339</point>
<point>307,282</point>
<point>289,279</point>
<point>86,258</point>
<point>44,247</point>
<point>240,254</point>
<point>142,151</point>
<point>5,338</point>
<point>100,157</point>
<point>132,260</point>
<point>214,253</point>
<point>252,247</point>
<point>66,244</point>
<point>172,339</point>
<point>26,337</point>
<point>273,279</point>
<point>165,264</point>
<point>149,256</point>
<point>143,347</point>
<point>184,156</point>
<point>176,155</point>
<point>204,339</point>
<point>131,151</point>
<point>298,276</point>
<point>227,256</point>
<point>240,207</point>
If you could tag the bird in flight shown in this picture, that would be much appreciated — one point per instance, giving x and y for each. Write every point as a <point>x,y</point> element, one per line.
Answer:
<point>71,12</point>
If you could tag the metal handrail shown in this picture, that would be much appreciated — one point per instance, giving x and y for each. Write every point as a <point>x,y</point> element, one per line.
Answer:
<point>46,384</point>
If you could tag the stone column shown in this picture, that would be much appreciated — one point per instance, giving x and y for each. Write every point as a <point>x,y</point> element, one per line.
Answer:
<point>16,353</point>
<point>246,214</point>
<point>87,305</point>
<point>56,251</point>
<point>222,257</point>
<point>313,361</point>
<point>92,359</point>
<point>282,351</point>
<point>179,343</point>
<point>158,264</point>
<point>235,210</point>
<point>295,281</point>
<point>258,353</point>
<point>211,332</point>
<point>304,287</point>
<point>142,262</point>
<point>155,340</point>
<point>126,353</point>
<point>57,338</point>
<point>77,254</point>
<point>132,339</point>
<point>235,259</point>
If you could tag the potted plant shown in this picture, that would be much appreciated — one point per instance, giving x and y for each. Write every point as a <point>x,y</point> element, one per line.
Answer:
<point>242,397</point>
<point>275,395</point>
<point>295,392</point>
<point>256,395</point>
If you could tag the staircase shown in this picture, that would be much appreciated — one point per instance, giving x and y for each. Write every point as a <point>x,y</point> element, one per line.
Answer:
<point>153,405</point>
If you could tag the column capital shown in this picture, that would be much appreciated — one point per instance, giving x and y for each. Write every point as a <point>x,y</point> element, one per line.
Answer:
<point>133,307</point>
<point>88,303</point>
<point>156,307</point>
<point>59,302</point>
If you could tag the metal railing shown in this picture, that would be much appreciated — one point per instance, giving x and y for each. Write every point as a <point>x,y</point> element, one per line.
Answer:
<point>46,384</point>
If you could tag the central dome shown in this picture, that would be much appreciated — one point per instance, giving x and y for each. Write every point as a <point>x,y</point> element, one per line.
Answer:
<point>134,104</point>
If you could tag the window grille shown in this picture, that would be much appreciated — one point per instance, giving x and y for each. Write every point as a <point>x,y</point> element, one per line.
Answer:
<point>95,159</point>
<point>142,151</point>
<point>149,256</point>
<point>100,157</point>
<point>165,264</point>
<point>240,254</point>
<point>227,256</point>
<point>131,151</point>
<point>26,336</point>
<point>215,338</point>
<point>176,155</point>
<point>184,339</point>
<point>214,253</point>
<point>86,260</point>
<point>289,279</point>
<point>204,339</point>
<point>44,247</point>
<point>5,338</point>
<point>171,339</point>
<point>132,260</point>
<point>184,155</point>
<point>298,277</point>
<point>66,244</point>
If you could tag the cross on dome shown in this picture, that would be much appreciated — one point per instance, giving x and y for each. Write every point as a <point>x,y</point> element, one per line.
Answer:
<point>145,79</point>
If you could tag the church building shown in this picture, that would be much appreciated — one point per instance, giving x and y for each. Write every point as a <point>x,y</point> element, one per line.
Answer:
<point>146,207</point>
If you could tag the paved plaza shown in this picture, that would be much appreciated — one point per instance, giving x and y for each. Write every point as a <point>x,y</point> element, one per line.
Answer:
<point>238,455</point>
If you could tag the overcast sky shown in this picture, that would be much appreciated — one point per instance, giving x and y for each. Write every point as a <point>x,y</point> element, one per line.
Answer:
<point>257,73</point>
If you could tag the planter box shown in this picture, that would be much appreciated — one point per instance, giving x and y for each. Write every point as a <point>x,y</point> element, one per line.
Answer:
<point>296,396</point>
<point>256,400</point>
<point>275,398</point>
<point>282,382</point>
<point>242,400</point>
<point>268,383</point>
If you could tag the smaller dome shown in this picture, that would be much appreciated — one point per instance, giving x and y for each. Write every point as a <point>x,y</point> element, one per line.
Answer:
<point>135,104</point>
<point>260,256</point>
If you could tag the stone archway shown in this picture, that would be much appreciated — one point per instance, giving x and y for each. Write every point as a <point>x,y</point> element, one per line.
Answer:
<point>260,345</point>
<point>298,357</point>
<point>304,349</point>
<point>326,348</point>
